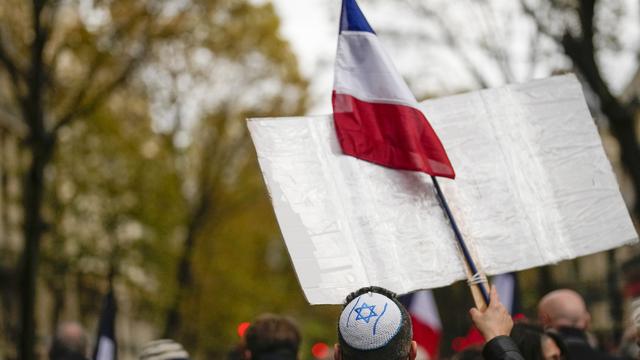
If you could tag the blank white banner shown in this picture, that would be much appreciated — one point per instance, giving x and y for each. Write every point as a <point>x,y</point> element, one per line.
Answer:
<point>533,187</point>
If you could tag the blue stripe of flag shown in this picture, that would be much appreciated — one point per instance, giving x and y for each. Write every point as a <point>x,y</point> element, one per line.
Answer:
<point>352,18</point>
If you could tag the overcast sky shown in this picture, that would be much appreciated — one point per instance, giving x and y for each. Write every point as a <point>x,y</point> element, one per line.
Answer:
<point>312,28</point>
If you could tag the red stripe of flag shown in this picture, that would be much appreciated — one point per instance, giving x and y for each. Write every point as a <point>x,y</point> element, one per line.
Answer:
<point>391,135</point>
<point>426,336</point>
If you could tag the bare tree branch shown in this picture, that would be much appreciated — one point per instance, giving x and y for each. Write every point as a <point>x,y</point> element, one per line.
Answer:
<point>587,13</point>
<point>497,50</point>
<point>16,75</point>
<point>84,107</point>
<point>453,42</point>
<point>75,106</point>
<point>631,93</point>
<point>51,16</point>
<point>78,98</point>
<point>10,66</point>
<point>540,25</point>
<point>12,123</point>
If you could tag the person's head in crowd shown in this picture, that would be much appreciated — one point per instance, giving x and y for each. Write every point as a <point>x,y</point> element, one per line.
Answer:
<point>374,325</point>
<point>535,344</point>
<point>563,308</point>
<point>635,313</point>
<point>236,353</point>
<point>69,342</point>
<point>630,346</point>
<point>272,337</point>
<point>163,349</point>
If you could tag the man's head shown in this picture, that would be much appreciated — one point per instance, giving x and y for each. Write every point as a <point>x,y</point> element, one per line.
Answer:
<point>563,308</point>
<point>69,342</point>
<point>374,325</point>
<point>272,337</point>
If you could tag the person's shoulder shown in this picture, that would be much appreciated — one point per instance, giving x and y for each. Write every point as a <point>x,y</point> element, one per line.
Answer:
<point>501,348</point>
<point>606,356</point>
<point>584,351</point>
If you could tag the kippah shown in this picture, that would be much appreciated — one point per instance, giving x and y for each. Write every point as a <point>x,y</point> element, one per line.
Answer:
<point>164,349</point>
<point>370,321</point>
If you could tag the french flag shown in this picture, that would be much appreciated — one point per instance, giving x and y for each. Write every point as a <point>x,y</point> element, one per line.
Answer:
<point>509,293</point>
<point>427,327</point>
<point>376,116</point>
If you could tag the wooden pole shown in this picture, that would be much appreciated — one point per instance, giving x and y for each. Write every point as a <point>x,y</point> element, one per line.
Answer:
<point>477,284</point>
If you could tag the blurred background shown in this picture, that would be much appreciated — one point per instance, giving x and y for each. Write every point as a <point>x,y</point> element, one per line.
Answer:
<point>125,159</point>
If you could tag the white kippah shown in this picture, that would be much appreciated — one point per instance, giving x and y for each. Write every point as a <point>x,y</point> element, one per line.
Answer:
<point>164,349</point>
<point>370,321</point>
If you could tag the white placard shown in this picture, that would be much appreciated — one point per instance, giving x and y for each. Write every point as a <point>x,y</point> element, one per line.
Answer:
<point>533,187</point>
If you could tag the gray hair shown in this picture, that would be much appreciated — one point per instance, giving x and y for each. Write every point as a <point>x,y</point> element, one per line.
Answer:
<point>70,338</point>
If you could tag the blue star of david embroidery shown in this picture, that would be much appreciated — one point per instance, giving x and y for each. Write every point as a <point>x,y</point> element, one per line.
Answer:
<point>365,312</point>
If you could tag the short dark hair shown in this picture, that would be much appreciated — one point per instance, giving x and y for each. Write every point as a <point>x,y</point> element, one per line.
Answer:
<point>397,348</point>
<point>529,339</point>
<point>273,337</point>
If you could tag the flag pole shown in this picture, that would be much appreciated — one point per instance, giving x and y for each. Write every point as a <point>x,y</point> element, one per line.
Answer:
<point>477,283</point>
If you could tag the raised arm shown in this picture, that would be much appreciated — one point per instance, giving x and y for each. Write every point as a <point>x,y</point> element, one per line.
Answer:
<point>495,325</point>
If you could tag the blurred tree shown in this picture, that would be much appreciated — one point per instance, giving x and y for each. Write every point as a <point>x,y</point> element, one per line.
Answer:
<point>238,67</point>
<point>115,201</point>
<point>60,65</point>
<point>72,68</point>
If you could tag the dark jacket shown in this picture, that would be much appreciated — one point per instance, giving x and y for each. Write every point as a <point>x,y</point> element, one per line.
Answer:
<point>501,348</point>
<point>578,346</point>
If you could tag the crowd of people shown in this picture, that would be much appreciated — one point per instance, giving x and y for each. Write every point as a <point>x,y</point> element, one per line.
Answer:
<point>374,325</point>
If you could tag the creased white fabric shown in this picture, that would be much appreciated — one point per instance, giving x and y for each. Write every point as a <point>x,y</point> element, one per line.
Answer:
<point>533,187</point>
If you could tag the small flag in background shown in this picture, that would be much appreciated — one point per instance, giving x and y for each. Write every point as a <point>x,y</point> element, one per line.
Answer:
<point>427,327</point>
<point>507,287</point>
<point>106,347</point>
<point>376,116</point>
